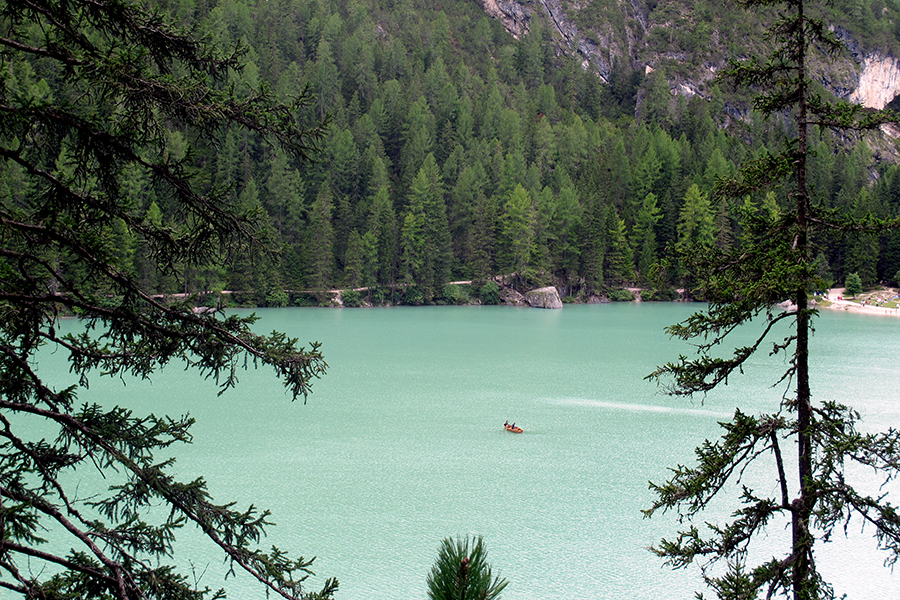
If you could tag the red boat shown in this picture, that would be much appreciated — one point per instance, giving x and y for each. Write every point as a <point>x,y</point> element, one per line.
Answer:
<point>512,429</point>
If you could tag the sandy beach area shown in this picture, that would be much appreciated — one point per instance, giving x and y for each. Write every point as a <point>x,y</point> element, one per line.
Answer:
<point>865,303</point>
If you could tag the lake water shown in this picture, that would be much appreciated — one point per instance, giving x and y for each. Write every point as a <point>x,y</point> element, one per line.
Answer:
<point>401,444</point>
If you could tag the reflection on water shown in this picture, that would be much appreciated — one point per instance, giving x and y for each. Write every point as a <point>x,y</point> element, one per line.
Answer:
<point>401,444</point>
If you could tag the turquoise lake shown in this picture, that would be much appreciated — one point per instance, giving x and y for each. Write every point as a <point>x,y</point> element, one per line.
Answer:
<point>401,444</point>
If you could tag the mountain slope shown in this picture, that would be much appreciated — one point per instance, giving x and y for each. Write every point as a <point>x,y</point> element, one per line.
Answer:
<point>691,41</point>
<point>576,154</point>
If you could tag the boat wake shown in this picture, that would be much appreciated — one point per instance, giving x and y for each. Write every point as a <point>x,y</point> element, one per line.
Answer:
<point>654,408</point>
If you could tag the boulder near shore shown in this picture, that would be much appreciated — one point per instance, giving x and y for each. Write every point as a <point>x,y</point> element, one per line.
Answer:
<point>545,297</point>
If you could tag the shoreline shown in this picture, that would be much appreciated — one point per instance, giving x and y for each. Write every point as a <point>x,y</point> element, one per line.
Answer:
<point>832,302</point>
<point>833,299</point>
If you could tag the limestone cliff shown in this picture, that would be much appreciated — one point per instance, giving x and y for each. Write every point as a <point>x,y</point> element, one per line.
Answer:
<point>879,81</point>
<point>641,39</point>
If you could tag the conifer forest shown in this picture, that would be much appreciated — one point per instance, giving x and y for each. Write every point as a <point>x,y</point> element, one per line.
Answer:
<point>455,152</point>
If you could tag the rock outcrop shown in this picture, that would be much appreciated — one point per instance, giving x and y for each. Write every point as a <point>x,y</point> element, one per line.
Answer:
<point>879,82</point>
<point>866,76</point>
<point>597,48</point>
<point>545,297</point>
<point>512,14</point>
<point>510,297</point>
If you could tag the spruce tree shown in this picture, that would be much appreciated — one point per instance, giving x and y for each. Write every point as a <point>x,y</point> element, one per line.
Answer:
<point>320,245</point>
<point>123,80</point>
<point>853,285</point>
<point>645,235</point>
<point>774,262</point>
<point>518,223</point>
<point>381,230</point>
<point>425,235</point>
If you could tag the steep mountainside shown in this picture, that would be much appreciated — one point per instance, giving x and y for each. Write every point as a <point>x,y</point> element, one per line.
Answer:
<point>691,41</point>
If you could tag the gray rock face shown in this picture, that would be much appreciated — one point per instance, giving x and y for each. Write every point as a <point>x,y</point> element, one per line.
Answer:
<point>870,77</point>
<point>546,297</point>
<point>510,297</point>
<point>512,14</point>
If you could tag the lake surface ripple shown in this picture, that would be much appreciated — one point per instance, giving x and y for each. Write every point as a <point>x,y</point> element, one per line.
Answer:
<point>401,444</point>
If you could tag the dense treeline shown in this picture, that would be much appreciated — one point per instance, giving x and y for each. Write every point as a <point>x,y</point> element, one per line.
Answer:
<point>456,152</point>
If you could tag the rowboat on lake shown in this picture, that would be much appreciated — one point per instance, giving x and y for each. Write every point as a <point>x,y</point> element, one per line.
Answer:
<point>512,428</point>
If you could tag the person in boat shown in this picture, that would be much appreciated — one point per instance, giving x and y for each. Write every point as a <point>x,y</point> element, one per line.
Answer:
<point>506,424</point>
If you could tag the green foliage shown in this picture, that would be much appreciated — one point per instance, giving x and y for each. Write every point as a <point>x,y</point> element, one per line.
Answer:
<point>620,295</point>
<point>277,299</point>
<point>490,293</point>
<point>351,298</point>
<point>304,300</point>
<point>619,264</point>
<point>455,294</point>
<point>103,204</point>
<point>413,296</point>
<point>743,283</point>
<point>461,572</point>
<point>666,294</point>
<point>853,285</point>
<point>320,244</point>
<point>379,296</point>
<point>647,219</point>
<point>695,223</point>
<point>517,234</point>
<point>495,113</point>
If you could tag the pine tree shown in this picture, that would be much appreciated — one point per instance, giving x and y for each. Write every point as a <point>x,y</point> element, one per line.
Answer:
<point>594,245</point>
<point>381,228</point>
<point>645,235</point>
<point>419,135</point>
<point>518,233</point>
<point>412,248</point>
<point>326,84</point>
<point>461,572</point>
<point>563,221</point>
<point>320,244</point>
<point>696,223</point>
<point>465,198</point>
<point>106,173</point>
<point>425,236</point>
<point>862,250</point>
<point>775,263</point>
<point>619,268</point>
<point>853,285</point>
<point>544,145</point>
<point>354,262</point>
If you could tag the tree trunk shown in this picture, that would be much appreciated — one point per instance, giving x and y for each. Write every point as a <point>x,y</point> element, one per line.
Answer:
<point>802,509</point>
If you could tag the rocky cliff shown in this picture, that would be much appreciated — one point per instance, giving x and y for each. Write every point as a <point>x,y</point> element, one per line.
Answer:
<point>514,15</point>
<point>879,81</point>
<point>868,76</point>
<point>597,48</point>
